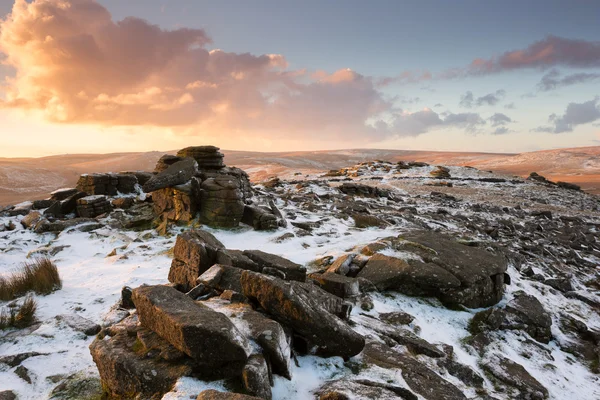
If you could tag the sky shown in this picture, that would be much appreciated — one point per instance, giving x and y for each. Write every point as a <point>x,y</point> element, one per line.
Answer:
<point>99,76</point>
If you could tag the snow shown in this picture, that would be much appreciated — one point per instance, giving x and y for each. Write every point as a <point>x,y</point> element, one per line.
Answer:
<point>92,283</point>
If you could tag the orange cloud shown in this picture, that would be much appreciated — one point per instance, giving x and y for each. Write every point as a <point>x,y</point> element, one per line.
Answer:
<point>79,66</point>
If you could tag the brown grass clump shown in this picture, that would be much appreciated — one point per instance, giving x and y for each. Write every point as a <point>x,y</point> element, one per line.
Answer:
<point>18,315</point>
<point>40,276</point>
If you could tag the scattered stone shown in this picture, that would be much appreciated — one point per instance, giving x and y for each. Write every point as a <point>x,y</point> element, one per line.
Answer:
<point>259,219</point>
<point>17,359</point>
<point>513,374</point>
<point>80,386</point>
<point>339,285</point>
<point>80,324</point>
<point>23,373</point>
<point>7,395</point>
<point>62,194</point>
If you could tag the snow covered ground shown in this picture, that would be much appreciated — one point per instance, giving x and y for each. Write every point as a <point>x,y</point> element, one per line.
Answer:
<point>92,282</point>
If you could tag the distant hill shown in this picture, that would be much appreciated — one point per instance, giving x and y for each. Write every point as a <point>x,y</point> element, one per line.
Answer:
<point>33,178</point>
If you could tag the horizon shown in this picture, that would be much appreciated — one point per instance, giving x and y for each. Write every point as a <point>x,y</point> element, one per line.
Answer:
<point>100,77</point>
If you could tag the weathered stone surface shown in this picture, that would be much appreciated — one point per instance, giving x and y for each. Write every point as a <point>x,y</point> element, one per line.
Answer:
<point>387,272</point>
<point>396,318</point>
<point>123,202</point>
<point>44,225</point>
<point>293,304</point>
<point>93,206</point>
<point>41,204</point>
<point>207,336</point>
<point>126,374</point>
<point>69,204</point>
<point>222,202</point>
<point>79,323</point>
<point>207,157</point>
<point>236,258</point>
<point>419,377</point>
<point>259,219</point>
<point>165,162</point>
<point>255,377</point>
<point>16,359</point>
<point>195,251</point>
<point>31,219</point>
<point>80,386</point>
<point>339,285</point>
<point>107,184</point>
<point>291,270</point>
<point>179,203</point>
<point>177,174</point>
<point>513,374</point>
<point>358,189</point>
<point>524,312</point>
<point>8,395</point>
<point>62,194</point>
<point>212,394</point>
<point>273,339</point>
<point>345,389</point>
<point>401,336</point>
<point>222,277</point>
<point>342,264</point>
<point>441,267</point>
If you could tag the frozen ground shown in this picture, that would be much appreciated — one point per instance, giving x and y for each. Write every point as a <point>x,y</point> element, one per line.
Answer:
<point>92,281</point>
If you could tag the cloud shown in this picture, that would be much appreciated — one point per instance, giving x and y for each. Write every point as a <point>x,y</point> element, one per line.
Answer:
<point>415,123</point>
<point>467,100</point>
<point>546,53</point>
<point>499,119</point>
<point>510,106</point>
<point>501,130</point>
<point>553,80</point>
<point>575,114</point>
<point>78,65</point>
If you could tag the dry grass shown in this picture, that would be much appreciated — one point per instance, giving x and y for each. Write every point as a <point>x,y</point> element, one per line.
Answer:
<point>18,315</point>
<point>40,276</point>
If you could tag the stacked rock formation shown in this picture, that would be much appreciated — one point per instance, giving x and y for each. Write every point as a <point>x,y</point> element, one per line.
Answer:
<point>92,206</point>
<point>207,157</point>
<point>107,184</point>
<point>196,184</point>
<point>213,331</point>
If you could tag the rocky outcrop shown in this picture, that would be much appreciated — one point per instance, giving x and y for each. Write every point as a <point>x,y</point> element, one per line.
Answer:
<point>107,184</point>
<point>176,203</point>
<point>294,304</point>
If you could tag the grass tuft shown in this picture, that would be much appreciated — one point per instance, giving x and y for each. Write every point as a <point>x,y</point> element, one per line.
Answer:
<point>40,276</point>
<point>18,315</point>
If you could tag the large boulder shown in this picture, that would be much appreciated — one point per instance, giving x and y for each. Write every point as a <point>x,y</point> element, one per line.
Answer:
<point>125,373</point>
<point>177,174</point>
<point>106,184</point>
<point>295,304</point>
<point>362,390</point>
<point>195,251</point>
<point>442,267</point>
<point>207,336</point>
<point>212,394</point>
<point>221,200</point>
<point>516,376</point>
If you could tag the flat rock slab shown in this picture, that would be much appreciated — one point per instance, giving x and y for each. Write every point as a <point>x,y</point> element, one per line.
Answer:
<point>513,374</point>
<point>292,271</point>
<point>293,303</point>
<point>176,174</point>
<point>207,336</point>
<point>362,390</point>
